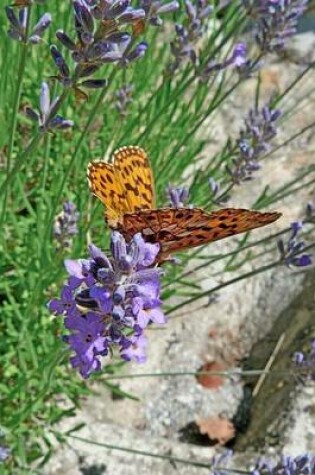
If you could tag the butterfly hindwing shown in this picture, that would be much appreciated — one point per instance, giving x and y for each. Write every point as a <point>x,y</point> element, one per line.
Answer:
<point>182,228</point>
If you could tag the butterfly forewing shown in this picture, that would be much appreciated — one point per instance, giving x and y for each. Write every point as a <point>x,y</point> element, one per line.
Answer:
<point>182,228</point>
<point>104,184</point>
<point>124,186</point>
<point>133,170</point>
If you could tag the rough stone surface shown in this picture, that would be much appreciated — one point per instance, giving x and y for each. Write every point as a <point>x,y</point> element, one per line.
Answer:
<point>243,314</point>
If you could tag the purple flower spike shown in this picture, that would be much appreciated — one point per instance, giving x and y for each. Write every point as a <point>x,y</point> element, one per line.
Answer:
<point>123,99</point>
<point>44,99</point>
<point>115,9</point>
<point>65,225</point>
<point>46,118</point>
<point>236,60</point>
<point>40,27</point>
<point>184,46</point>
<point>238,55</point>
<point>292,252</point>
<point>136,53</point>
<point>108,302</point>
<point>177,196</point>
<point>134,349</point>
<point>83,16</point>
<point>131,15</point>
<point>60,63</point>
<point>154,8</point>
<point>14,21</point>
<point>275,21</point>
<point>300,465</point>
<point>4,453</point>
<point>260,128</point>
<point>65,40</point>
<point>305,362</point>
<point>17,29</point>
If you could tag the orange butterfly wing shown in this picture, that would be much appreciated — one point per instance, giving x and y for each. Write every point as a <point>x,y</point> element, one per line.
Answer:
<point>133,170</point>
<point>182,228</point>
<point>124,186</point>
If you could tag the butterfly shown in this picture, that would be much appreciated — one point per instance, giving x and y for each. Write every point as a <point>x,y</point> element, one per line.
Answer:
<point>126,188</point>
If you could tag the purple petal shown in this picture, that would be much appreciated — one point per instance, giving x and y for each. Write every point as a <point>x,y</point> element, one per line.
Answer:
<point>44,99</point>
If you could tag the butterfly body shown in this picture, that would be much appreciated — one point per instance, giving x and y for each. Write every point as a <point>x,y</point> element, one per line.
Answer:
<point>126,189</point>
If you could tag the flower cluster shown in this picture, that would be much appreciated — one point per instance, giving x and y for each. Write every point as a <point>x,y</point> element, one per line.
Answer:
<point>237,60</point>
<point>306,362</point>
<point>123,99</point>
<point>4,453</point>
<point>177,196</point>
<point>101,39</point>
<point>275,21</point>
<point>260,129</point>
<point>292,253</point>
<point>46,118</point>
<point>65,225</point>
<point>218,196</point>
<point>185,44</point>
<point>18,26</point>
<point>154,8</point>
<point>109,301</point>
<point>300,465</point>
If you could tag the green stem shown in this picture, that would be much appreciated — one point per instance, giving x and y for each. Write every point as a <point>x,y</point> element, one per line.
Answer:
<point>141,452</point>
<point>279,98</point>
<point>221,286</point>
<point>16,102</point>
<point>19,83</point>
<point>229,254</point>
<point>226,374</point>
<point>22,159</point>
<point>66,174</point>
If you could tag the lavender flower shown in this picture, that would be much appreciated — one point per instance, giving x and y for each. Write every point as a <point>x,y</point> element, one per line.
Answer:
<point>65,225</point>
<point>124,99</point>
<point>292,253</point>
<point>109,301</point>
<point>184,46</point>
<point>63,68</point>
<point>4,453</point>
<point>100,38</point>
<point>300,465</point>
<point>275,21</point>
<point>310,213</point>
<point>260,129</point>
<point>119,11</point>
<point>306,362</point>
<point>218,461</point>
<point>46,118</point>
<point>154,8</point>
<point>236,60</point>
<point>134,348</point>
<point>18,24</point>
<point>177,196</point>
<point>215,192</point>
